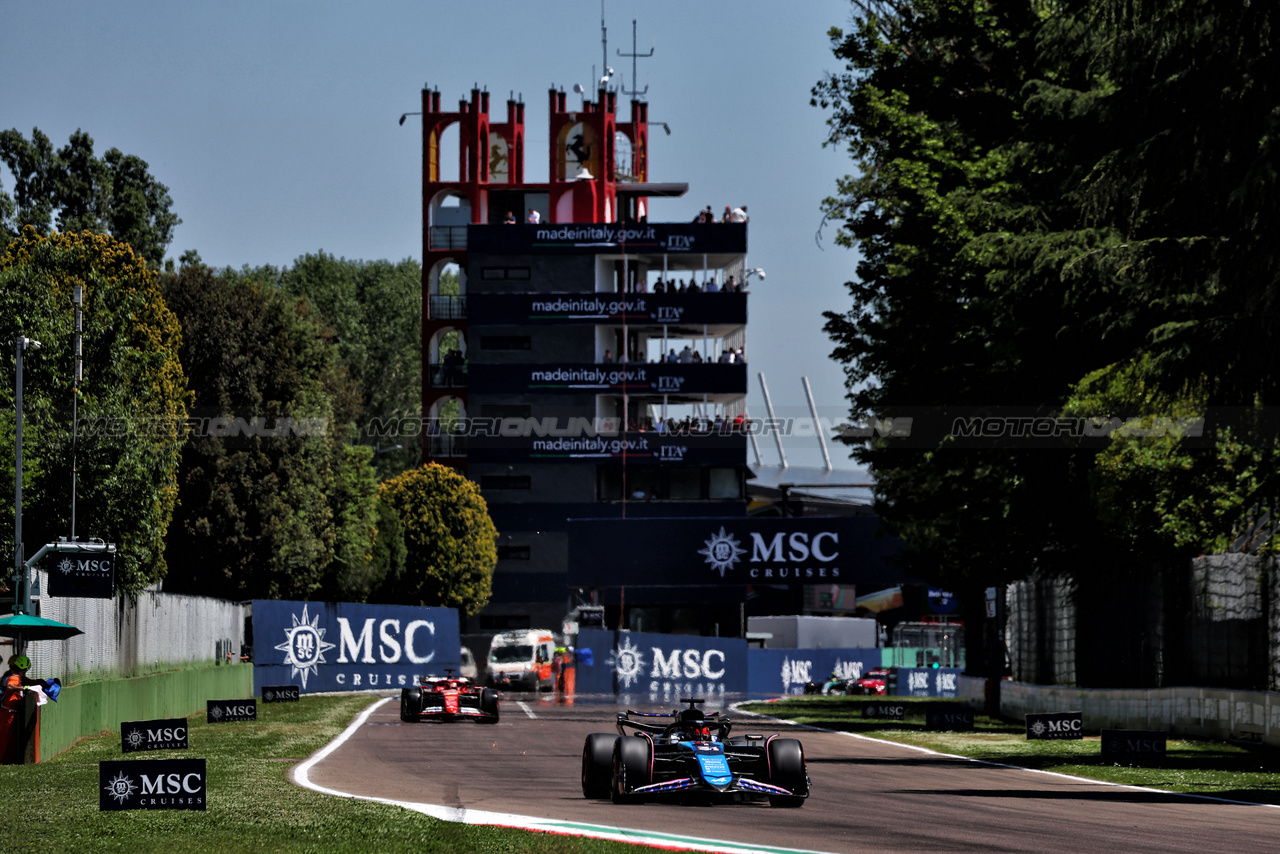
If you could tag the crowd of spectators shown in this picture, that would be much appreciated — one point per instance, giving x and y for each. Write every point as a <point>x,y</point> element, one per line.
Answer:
<point>731,214</point>
<point>710,286</point>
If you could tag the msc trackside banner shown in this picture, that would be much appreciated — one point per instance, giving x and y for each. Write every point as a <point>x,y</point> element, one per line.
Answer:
<point>342,646</point>
<point>640,666</point>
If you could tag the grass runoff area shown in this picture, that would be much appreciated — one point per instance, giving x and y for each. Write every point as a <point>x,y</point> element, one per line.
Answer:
<point>1232,770</point>
<point>53,806</point>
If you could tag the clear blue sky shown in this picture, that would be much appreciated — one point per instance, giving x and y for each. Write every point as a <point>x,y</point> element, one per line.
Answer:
<point>274,126</point>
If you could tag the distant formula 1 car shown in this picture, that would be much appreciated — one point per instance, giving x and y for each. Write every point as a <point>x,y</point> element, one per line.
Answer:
<point>691,756</point>
<point>448,698</point>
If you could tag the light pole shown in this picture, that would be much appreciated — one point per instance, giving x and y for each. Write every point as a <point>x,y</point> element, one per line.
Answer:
<point>21,588</point>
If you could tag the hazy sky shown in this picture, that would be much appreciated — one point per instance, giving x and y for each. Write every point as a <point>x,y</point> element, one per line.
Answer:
<point>274,125</point>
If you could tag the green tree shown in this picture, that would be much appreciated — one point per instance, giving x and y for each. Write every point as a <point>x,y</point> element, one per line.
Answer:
<point>114,195</point>
<point>1045,190</point>
<point>374,309</point>
<point>132,401</point>
<point>451,542</point>
<point>267,459</point>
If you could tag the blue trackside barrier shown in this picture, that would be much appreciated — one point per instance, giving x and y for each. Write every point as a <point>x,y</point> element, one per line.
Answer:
<point>771,672</point>
<point>644,666</point>
<point>344,646</point>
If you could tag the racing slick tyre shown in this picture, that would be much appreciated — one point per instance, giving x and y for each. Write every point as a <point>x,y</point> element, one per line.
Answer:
<point>410,704</point>
<point>597,764</point>
<point>632,759</point>
<point>786,769</point>
<point>488,706</point>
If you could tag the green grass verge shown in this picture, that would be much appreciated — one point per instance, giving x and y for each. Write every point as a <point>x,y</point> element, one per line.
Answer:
<point>253,807</point>
<point>1241,772</point>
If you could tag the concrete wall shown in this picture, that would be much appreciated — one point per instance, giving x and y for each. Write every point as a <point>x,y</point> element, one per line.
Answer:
<point>94,708</point>
<point>1198,712</point>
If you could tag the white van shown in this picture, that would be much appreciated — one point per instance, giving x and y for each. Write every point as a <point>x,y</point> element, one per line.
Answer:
<point>521,660</point>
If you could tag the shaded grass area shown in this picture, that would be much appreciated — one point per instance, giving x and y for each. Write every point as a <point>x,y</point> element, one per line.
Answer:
<point>1236,771</point>
<point>252,806</point>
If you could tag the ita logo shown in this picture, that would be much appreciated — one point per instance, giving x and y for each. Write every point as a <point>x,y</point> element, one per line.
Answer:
<point>723,551</point>
<point>304,646</point>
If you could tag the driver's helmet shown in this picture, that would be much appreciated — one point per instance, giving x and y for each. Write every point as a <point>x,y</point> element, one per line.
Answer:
<point>694,725</point>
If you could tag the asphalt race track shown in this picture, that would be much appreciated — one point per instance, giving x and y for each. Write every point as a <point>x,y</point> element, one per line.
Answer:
<point>866,795</point>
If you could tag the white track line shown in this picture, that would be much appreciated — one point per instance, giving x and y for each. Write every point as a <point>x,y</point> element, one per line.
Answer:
<point>301,776</point>
<point>528,711</point>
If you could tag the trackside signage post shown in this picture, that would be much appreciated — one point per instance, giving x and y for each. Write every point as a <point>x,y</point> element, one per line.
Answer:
<point>152,784</point>
<point>280,693</point>
<point>166,734</point>
<point>1052,726</point>
<point>948,717</point>
<point>343,646</point>
<point>232,711</point>
<point>1133,745</point>
<point>771,672</point>
<point>884,709</point>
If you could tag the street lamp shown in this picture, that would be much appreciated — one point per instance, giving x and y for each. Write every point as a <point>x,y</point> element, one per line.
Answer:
<point>754,271</point>
<point>21,590</point>
<point>404,116</point>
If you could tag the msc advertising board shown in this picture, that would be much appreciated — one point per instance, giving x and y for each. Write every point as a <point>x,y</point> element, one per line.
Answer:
<point>343,646</point>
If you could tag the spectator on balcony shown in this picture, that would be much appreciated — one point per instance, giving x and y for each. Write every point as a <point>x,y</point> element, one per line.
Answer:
<point>712,287</point>
<point>728,212</point>
<point>511,218</point>
<point>608,356</point>
<point>739,215</point>
<point>659,287</point>
<point>686,355</point>
<point>731,286</point>
<point>452,367</point>
<point>672,357</point>
<point>534,217</point>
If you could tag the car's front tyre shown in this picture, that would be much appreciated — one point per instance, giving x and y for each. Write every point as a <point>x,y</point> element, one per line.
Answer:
<point>632,760</point>
<point>597,765</point>
<point>786,769</point>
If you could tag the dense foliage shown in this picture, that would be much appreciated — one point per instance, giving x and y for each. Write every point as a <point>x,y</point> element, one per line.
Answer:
<point>114,194</point>
<point>450,540</point>
<point>1053,200</point>
<point>132,401</point>
<point>275,502</point>
<point>374,311</point>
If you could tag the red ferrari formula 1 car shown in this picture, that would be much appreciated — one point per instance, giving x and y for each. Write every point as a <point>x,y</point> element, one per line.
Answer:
<point>448,698</point>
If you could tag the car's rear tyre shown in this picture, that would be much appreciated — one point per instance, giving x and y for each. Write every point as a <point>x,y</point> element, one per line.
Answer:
<point>488,706</point>
<point>410,704</point>
<point>632,759</point>
<point>597,764</point>
<point>786,769</point>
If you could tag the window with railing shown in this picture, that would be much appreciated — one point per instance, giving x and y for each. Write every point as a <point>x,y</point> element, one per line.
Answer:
<point>446,445</point>
<point>449,375</point>
<point>448,236</point>
<point>448,307</point>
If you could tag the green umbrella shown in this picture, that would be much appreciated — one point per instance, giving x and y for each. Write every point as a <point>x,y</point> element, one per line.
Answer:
<point>28,628</point>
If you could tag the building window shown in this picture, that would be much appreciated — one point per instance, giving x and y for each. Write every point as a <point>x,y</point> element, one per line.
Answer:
<point>498,274</point>
<point>504,481</point>
<point>725,483</point>
<point>513,552</point>
<point>504,342</point>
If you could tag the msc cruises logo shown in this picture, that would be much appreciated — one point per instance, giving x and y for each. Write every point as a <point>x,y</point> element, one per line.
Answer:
<point>627,662</point>
<point>722,551</point>
<point>304,646</point>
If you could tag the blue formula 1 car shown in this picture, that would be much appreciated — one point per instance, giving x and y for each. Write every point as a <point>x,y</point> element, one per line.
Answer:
<point>691,756</point>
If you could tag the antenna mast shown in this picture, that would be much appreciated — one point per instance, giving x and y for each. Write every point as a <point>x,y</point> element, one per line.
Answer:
<point>633,91</point>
